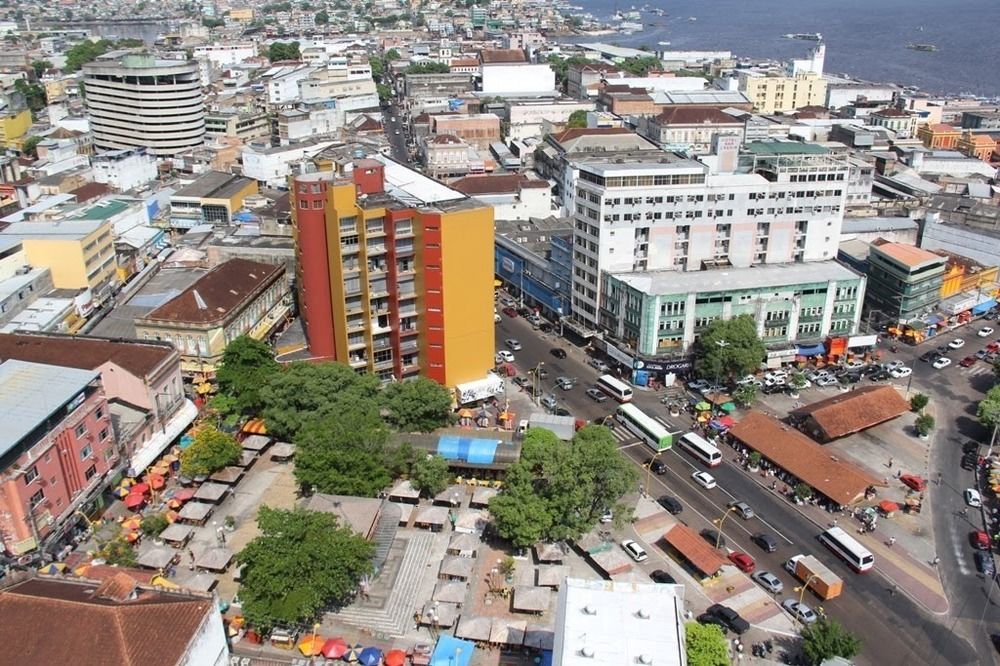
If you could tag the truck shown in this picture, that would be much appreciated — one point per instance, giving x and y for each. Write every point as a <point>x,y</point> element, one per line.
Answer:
<point>816,575</point>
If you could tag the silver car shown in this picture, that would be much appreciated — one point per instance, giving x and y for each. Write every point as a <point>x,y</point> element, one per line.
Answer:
<point>768,581</point>
<point>565,383</point>
<point>549,402</point>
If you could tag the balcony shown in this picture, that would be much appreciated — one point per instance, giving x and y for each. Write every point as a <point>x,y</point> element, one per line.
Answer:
<point>358,361</point>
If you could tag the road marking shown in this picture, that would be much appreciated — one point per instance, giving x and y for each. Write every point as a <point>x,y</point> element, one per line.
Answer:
<point>628,446</point>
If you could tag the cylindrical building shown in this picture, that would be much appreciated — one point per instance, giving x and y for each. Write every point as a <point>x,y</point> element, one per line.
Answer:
<point>142,101</point>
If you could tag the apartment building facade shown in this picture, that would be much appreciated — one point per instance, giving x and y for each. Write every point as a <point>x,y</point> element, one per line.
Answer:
<point>778,92</point>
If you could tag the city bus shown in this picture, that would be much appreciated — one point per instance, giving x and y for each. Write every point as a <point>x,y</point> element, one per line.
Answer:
<point>644,427</point>
<point>848,549</point>
<point>618,390</point>
<point>699,447</point>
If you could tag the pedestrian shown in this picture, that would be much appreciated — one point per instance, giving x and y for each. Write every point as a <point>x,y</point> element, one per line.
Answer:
<point>834,522</point>
<point>890,463</point>
<point>935,561</point>
<point>894,589</point>
<point>892,541</point>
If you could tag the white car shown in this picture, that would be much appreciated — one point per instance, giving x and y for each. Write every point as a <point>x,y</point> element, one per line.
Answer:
<point>942,362</point>
<point>973,498</point>
<point>749,380</point>
<point>814,375</point>
<point>634,550</point>
<point>827,381</point>
<point>892,365</point>
<point>855,365</point>
<point>698,384</point>
<point>776,374</point>
<point>503,356</point>
<point>600,365</point>
<point>774,381</point>
<point>704,479</point>
<point>985,331</point>
<point>957,343</point>
<point>768,581</point>
<point>512,344</point>
<point>900,373</point>
<point>713,388</point>
<point>800,612</point>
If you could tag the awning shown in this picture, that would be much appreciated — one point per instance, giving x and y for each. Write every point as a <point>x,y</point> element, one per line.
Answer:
<point>698,552</point>
<point>255,427</point>
<point>151,450</point>
<point>983,307</point>
<point>811,350</point>
<point>856,341</point>
<point>932,320</point>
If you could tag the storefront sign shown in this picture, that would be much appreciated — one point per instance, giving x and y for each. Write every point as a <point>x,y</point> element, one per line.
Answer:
<point>856,341</point>
<point>781,354</point>
<point>663,365</point>
<point>619,355</point>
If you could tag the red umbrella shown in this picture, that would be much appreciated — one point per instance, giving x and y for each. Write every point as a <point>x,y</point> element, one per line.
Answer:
<point>184,494</point>
<point>334,648</point>
<point>156,481</point>
<point>141,488</point>
<point>134,500</point>
<point>395,658</point>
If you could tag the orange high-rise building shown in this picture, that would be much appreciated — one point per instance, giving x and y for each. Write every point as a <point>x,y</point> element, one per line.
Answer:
<point>395,273</point>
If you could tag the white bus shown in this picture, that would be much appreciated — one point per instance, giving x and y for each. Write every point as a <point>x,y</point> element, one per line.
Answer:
<point>699,447</point>
<point>645,428</point>
<point>618,390</point>
<point>848,549</point>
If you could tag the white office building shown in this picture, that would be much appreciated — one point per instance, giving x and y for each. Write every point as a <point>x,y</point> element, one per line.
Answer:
<point>123,170</point>
<point>141,101</point>
<point>224,55</point>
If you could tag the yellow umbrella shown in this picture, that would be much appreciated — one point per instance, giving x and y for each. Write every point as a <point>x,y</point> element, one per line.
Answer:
<point>171,516</point>
<point>311,645</point>
<point>160,581</point>
<point>133,523</point>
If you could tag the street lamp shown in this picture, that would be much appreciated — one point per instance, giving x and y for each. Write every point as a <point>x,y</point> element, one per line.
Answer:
<point>649,470</point>
<point>802,590</point>
<point>534,385</point>
<point>721,344</point>
<point>720,522</point>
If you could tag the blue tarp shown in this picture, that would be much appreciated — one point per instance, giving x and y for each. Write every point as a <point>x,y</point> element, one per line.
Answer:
<point>811,350</point>
<point>983,307</point>
<point>546,658</point>
<point>933,320</point>
<point>469,449</point>
<point>451,651</point>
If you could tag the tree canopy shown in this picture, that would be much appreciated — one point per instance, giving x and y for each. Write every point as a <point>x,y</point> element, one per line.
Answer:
<point>429,67</point>
<point>558,491</point>
<point>431,475</point>
<point>30,145</point>
<point>321,18</point>
<point>84,52</point>
<point>641,66</point>
<point>825,638</point>
<point>40,67</point>
<point>283,51</point>
<point>343,453</point>
<point>247,365</point>
<point>392,54</point>
<point>577,119</point>
<point>561,67</point>
<point>729,348</point>
<point>302,562</point>
<point>301,392</point>
<point>210,451</point>
<point>705,645</point>
<point>988,411</point>
<point>421,405</point>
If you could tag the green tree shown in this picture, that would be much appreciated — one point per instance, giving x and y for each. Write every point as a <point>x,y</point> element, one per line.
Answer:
<point>30,145</point>
<point>705,645</point>
<point>34,94</point>
<point>996,367</point>
<point>247,364</point>
<point>431,475</point>
<point>401,459</point>
<point>924,424</point>
<point>745,395</point>
<point>303,392</point>
<point>797,381</point>
<point>84,52</point>
<point>343,454</point>
<point>988,411</point>
<point>378,67</point>
<point>118,552</point>
<point>210,451</point>
<point>577,119</point>
<point>803,491</point>
<point>302,562</point>
<point>392,54</point>
<point>153,524</point>
<point>321,18</point>
<point>918,402</point>
<point>558,491</point>
<point>421,405</point>
<point>384,92</point>
<point>284,51</point>
<point>210,22</point>
<point>429,67</point>
<point>641,65</point>
<point>729,348</point>
<point>825,639</point>
<point>40,67</point>
<point>561,67</point>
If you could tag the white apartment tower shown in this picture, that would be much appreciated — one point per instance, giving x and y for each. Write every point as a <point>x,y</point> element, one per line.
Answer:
<point>140,101</point>
<point>639,212</point>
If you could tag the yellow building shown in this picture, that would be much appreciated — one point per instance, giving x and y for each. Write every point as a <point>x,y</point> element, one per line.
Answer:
<point>80,254</point>
<point>211,199</point>
<point>962,274</point>
<point>395,273</point>
<point>13,126</point>
<point>241,14</point>
<point>239,297</point>
<point>780,93</point>
<point>979,146</point>
<point>939,136</point>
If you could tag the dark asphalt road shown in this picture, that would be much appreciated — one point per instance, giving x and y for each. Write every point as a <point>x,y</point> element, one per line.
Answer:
<point>894,629</point>
<point>395,132</point>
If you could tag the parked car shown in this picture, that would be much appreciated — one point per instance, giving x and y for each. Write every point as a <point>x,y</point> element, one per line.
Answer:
<point>982,354</point>
<point>548,402</point>
<point>655,465</point>
<point>599,364</point>
<point>732,619</point>
<point>827,381</point>
<point>558,353</point>
<point>742,561</point>
<point>697,384</point>
<point>713,537</point>
<point>634,550</point>
<point>607,517</point>
<point>973,498</point>
<point>800,612</point>
<point>510,312</point>
<point>503,356</point>
<point>967,362</point>
<point>892,365</point>
<point>742,509</point>
<point>957,343</point>
<point>522,381</point>
<point>662,577</point>
<point>565,383</point>
<point>814,375</point>
<point>713,388</point>
<point>979,539</point>
<point>984,562</point>
<point>941,363</point>
<point>900,373</point>
<point>768,581</point>
<point>773,388</point>
<point>985,332</point>
<point>775,374</point>
<point>597,395</point>
<point>671,504</point>
<point>854,364</point>
<point>562,411</point>
<point>767,542</point>
<point>927,356</point>
<point>545,327</point>
<point>512,344</point>
<point>704,479</point>
<point>708,618</point>
<point>748,380</point>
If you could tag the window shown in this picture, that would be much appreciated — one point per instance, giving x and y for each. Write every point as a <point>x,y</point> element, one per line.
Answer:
<point>86,452</point>
<point>99,413</point>
<point>31,475</point>
<point>104,434</point>
<point>37,499</point>
<point>81,430</point>
<point>91,472</point>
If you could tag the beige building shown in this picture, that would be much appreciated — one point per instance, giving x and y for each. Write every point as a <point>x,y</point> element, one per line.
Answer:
<point>776,92</point>
<point>239,297</point>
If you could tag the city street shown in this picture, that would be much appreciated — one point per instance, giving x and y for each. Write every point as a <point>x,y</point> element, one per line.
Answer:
<point>395,132</point>
<point>894,628</point>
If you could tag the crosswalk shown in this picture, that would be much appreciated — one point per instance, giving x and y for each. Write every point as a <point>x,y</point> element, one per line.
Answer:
<point>977,369</point>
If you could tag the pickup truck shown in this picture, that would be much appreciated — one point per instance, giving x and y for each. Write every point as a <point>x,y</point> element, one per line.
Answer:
<point>816,575</point>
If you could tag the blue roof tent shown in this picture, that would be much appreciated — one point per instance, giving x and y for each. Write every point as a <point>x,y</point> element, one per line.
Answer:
<point>473,450</point>
<point>811,350</point>
<point>983,307</point>
<point>451,651</point>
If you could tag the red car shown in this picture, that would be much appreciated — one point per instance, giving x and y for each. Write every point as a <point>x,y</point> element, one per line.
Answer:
<point>510,312</point>
<point>980,540</point>
<point>968,361</point>
<point>742,561</point>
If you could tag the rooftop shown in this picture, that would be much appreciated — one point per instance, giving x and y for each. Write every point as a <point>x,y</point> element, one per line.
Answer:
<point>785,148</point>
<point>502,56</point>
<point>496,184</point>
<point>910,256</point>
<point>689,115</point>
<point>864,225</point>
<point>85,352</point>
<point>218,293</point>
<point>103,210</point>
<point>214,185</point>
<point>756,277</point>
<point>30,393</point>
<point>62,230</point>
<point>846,413</point>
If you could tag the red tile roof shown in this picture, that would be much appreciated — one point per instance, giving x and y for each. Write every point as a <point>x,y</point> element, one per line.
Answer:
<point>140,358</point>
<point>502,56</point>
<point>218,293</point>
<point>52,621</point>
<point>850,412</point>
<point>498,184</point>
<point>90,191</point>
<point>803,458</point>
<point>695,549</point>
<point>691,115</point>
<point>576,132</point>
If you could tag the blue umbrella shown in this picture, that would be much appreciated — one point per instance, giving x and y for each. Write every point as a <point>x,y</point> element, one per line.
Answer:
<point>370,656</point>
